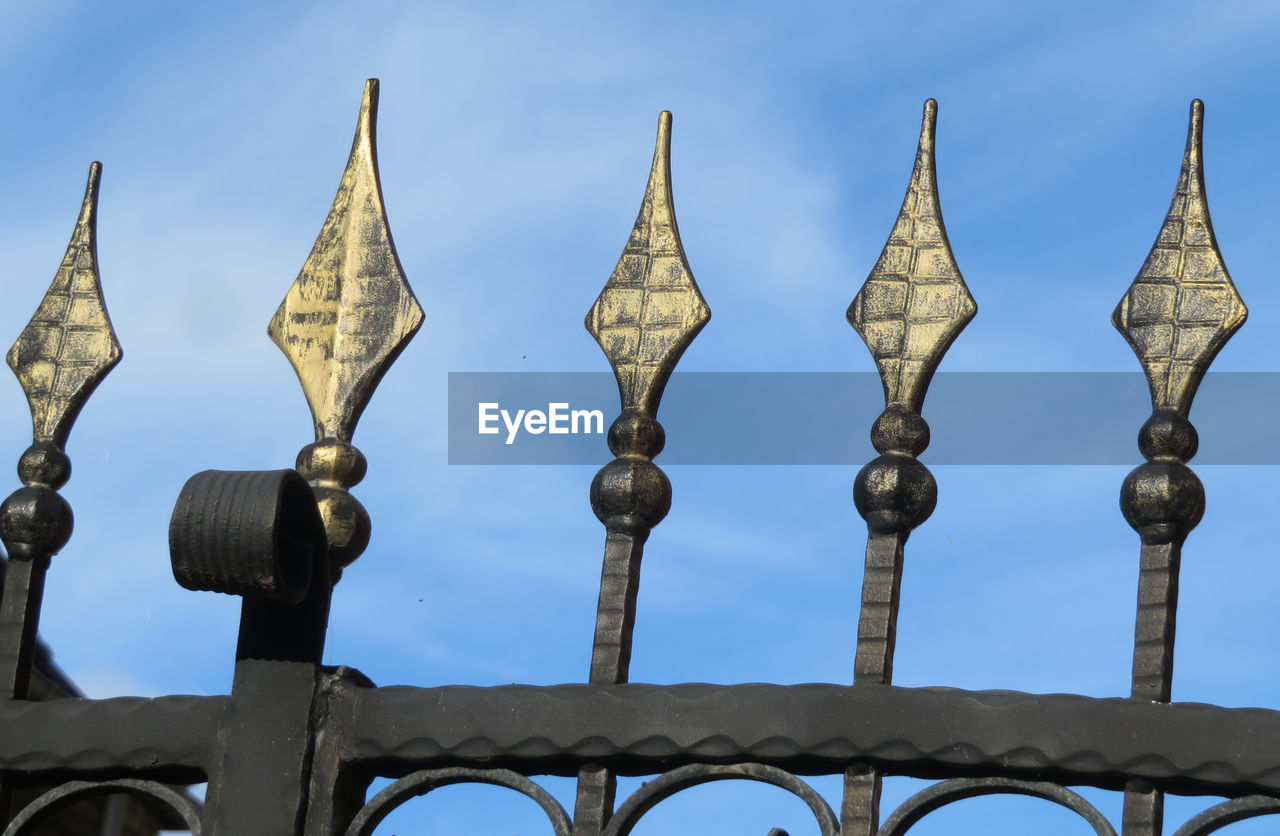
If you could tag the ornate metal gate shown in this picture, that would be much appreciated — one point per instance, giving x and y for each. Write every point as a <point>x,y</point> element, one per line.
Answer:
<point>294,747</point>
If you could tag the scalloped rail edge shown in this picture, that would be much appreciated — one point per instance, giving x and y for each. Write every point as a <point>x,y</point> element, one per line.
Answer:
<point>807,729</point>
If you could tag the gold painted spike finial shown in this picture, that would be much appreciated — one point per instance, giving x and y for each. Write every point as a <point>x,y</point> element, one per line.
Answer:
<point>915,302</point>
<point>651,308</point>
<point>1182,307</point>
<point>350,312</point>
<point>69,344</point>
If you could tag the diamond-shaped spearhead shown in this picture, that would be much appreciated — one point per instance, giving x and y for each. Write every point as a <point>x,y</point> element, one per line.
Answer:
<point>350,312</point>
<point>69,344</point>
<point>915,302</point>
<point>1182,307</point>
<point>651,308</point>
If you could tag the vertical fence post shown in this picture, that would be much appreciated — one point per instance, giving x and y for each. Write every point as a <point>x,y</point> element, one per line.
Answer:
<point>342,324</point>
<point>909,311</point>
<point>1178,313</point>
<point>647,315</point>
<point>59,358</point>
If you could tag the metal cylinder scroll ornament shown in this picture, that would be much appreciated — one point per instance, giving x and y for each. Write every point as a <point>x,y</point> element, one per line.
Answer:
<point>252,533</point>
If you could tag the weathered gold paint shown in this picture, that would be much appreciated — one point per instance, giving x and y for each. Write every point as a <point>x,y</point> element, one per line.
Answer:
<point>342,324</point>
<point>651,308</point>
<point>1182,307</point>
<point>350,312</point>
<point>69,344</point>
<point>915,302</point>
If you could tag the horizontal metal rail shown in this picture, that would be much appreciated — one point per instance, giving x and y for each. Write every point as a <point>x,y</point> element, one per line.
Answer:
<point>166,738</point>
<point>1187,748</point>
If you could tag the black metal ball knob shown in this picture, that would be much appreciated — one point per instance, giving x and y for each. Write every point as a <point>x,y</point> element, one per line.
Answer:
<point>636,434</point>
<point>630,495</point>
<point>900,430</point>
<point>894,493</point>
<point>35,521</point>
<point>1162,500</point>
<point>44,463</point>
<point>1168,435</point>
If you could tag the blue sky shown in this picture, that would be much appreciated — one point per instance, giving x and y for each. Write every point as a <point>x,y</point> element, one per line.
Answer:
<point>514,144</point>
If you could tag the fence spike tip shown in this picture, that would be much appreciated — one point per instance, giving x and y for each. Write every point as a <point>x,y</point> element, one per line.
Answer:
<point>650,308</point>
<point>915,301</point>
<point>351,311</point>
<point>1182,307</point>
<point>59,372</point>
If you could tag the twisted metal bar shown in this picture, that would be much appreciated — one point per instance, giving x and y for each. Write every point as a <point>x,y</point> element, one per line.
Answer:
<point>647,315</point>
<point>1177,315</point>
<point>909,311</point>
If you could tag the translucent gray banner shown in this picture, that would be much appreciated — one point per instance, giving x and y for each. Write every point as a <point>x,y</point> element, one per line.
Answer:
<point>823,418</point>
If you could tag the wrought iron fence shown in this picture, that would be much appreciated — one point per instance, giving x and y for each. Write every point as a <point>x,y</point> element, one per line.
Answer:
<point>295,745</point>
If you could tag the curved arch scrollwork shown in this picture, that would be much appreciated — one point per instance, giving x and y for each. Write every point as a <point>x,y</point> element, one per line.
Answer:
<point>423,782</point>
<point>940,795</point>
<point>664,786</point>
<point>1229,812</point>
<point>35,813</point>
